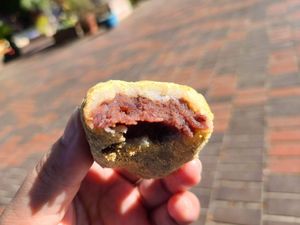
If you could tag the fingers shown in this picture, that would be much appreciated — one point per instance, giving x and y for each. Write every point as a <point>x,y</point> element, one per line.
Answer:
<point>128,176</point>
<point>111,199</point>
<point>63,168</point>
<point>155,192</point>
<point>182,208</point>
<point>187,176</point>
<point>69,159</point>
<point>161,216</point>
<point>96,183</point>
<point>49,189</point>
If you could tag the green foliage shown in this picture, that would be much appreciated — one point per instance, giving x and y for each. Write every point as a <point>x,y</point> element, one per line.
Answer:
<point>5,30</point>
<point>35,4</point>
<point>68,21</point>
<point>134,2</point>
<point>80,6</point>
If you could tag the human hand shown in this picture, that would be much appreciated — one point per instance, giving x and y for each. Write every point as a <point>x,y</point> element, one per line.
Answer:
<point>67,188</point>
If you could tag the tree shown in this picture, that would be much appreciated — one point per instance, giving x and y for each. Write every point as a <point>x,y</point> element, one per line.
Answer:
<point>5,30</point>
<point>41,5</point>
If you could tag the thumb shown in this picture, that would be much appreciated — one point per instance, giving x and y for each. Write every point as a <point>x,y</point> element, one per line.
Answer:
<point>48,190</point>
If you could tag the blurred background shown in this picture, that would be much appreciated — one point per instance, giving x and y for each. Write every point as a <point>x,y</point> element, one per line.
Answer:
<point>29,26</point>
<point>242,55</point>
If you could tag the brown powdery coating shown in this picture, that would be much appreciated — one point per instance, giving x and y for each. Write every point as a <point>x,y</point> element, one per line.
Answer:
<point>127,110</point>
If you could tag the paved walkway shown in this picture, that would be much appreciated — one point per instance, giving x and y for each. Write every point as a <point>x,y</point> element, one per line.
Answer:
<point>243,55</point>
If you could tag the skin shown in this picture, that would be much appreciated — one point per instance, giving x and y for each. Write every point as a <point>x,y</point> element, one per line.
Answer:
<point>66,188</point>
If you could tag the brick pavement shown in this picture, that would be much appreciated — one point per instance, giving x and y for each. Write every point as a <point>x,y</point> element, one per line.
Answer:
<point>243,55</point>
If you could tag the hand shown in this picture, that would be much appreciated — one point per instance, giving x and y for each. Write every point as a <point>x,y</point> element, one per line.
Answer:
<point>67,188</point>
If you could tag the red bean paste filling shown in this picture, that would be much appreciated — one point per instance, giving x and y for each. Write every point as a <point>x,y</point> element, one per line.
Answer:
<point>145,117</point>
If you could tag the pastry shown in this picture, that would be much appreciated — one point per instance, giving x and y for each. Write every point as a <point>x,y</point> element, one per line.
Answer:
<point>147,128</point>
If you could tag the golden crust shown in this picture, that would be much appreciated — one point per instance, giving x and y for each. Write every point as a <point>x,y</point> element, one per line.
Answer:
<point>138,157</point>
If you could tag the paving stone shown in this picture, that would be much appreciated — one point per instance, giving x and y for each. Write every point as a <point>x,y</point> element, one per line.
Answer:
<point>285,206</point>
<point>271,222</point>
<point>285,92</point>
<point>247,119</point>
<point>208,165</point>
<point>255,80</point>
<point>209,60</point>
<point>238,194</point>
<point>242,151</point>
<point>284,80</point>
<point>220,99</point>
<point>236,215</point>
<point>259,13</point>
<point>240,166</point>
<point>209,159</point>
<point>12,178</point>
<point>243,126</point>
<point>211,149</point>
<point>244,141</point>
<point>5,200</point>
<point>6,119</point>
<point>283,183</point>
<point>281,45</point>
<point>280,107</point>
<point>256,65</point>
<point>225,68</point>
<point>283,67</point>
<point>207,178</point>
<point>253,175</point>
<point>283,149</point>
<point>284,134</point>
<point>203,195</point>
<point>251,112</point>
<point>284,165</point>
<point>201,220</point>
<point>241,158</point>
<point>216,137</point>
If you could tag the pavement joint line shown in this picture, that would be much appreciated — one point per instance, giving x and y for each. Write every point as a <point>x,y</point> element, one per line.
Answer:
<point>218,223</point>
<point>241,163</point>
<point>243,152</point>
<point>264,154</point>
<point>239,184</point>
<point>282,195</point>
<point>240,137</point>
<point>202,190</point>
<point>279,218</point>
<point>234,204</point>
<point>265,149</point>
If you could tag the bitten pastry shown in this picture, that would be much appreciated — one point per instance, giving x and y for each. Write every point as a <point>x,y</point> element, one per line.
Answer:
<point>147,128</point>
